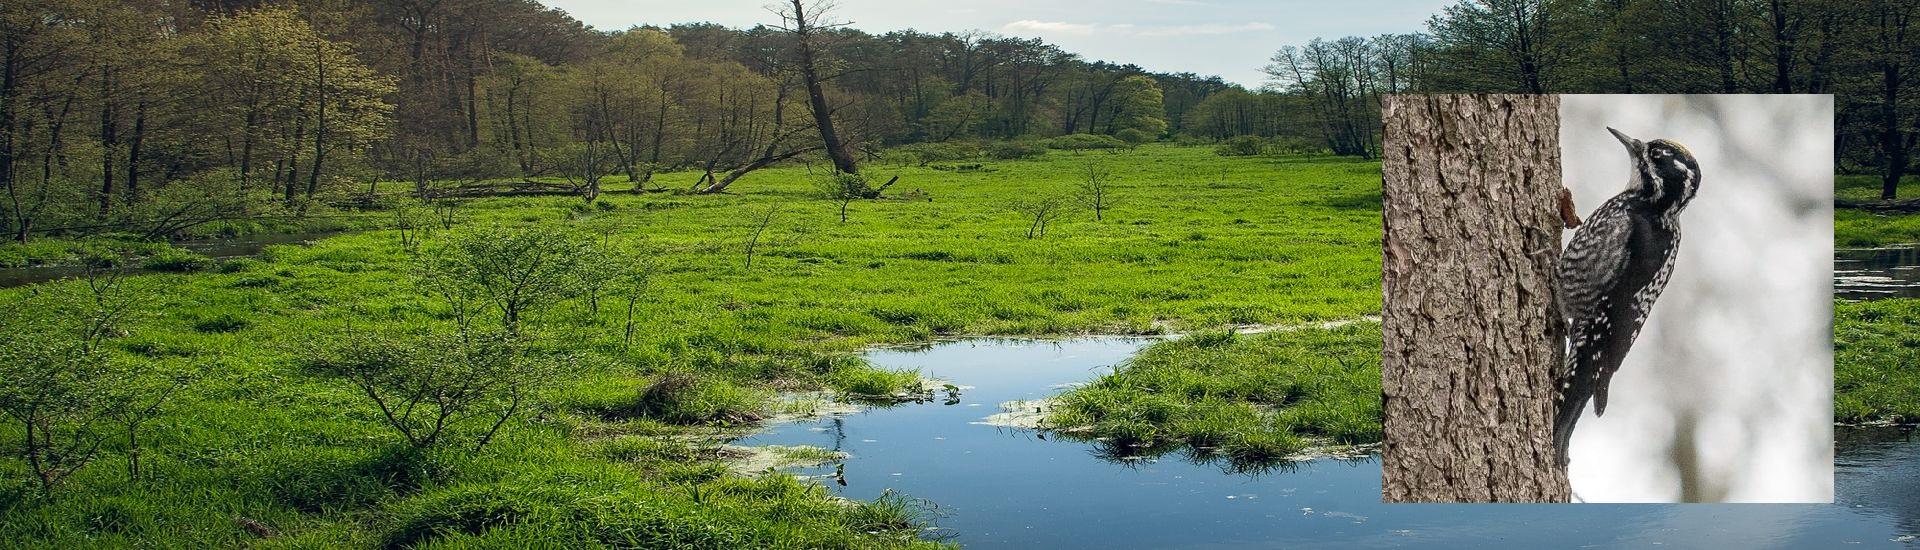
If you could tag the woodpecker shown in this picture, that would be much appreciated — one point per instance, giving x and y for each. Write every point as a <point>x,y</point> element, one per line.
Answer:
<point>1614,269</point>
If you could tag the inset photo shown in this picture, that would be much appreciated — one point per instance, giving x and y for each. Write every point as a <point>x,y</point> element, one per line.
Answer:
<point>1607,298</point>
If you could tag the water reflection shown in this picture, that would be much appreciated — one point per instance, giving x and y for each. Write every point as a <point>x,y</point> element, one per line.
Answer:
<point>995,487</point>
<point>1873,273</point>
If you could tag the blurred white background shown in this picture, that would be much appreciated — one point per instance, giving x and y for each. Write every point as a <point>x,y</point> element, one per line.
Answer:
<point>1728,393</point>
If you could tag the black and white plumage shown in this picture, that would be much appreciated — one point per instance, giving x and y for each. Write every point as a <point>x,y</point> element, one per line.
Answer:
<point>1614,269</point>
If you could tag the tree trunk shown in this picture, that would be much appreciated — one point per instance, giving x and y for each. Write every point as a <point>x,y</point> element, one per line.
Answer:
<point>292,152</point>
<point>9,105</point>
<point>1891,144</point>
<point>837,149</point>
<point>109,142</point>
<point>1785,32</point>
<point>513,132</point>
<point>319,128</point>
<point>1471,196</point>
<point>246,141</point>
<point>1893,21</point>
<point>133,153</point>
<point>720,184</point>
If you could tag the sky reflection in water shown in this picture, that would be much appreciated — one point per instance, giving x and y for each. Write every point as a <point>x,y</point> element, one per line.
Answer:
<point>997,487</point>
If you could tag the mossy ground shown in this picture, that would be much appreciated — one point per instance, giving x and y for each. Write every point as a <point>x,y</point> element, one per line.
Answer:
<point>261,447</point>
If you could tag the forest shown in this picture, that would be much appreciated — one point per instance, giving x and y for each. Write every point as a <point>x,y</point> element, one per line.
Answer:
<point>542,276</point>
<point>154,118</point>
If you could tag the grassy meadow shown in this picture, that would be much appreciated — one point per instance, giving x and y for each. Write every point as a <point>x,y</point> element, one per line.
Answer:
<point>622,448</point>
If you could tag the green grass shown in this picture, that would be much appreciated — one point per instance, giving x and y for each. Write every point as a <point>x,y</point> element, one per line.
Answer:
<point>1195,241</point>
<point>1249,398</point>
<point>1876,365</point>
<point>1867,187</point>
<point>1860,229</point>
<point>1876,350</point>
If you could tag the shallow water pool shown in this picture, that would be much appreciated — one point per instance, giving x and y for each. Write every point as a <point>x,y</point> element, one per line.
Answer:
<point>995,487</point>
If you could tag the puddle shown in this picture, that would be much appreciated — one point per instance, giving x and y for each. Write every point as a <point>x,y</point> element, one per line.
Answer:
<point>1001,487</point>
<point>218,249</point>
<point>1873,273</point>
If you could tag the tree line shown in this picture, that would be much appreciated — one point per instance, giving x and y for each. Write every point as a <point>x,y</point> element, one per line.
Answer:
<point>152,117</point>
<point>1859,50</point>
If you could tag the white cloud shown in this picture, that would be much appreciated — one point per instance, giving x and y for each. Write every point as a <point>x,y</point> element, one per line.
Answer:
<point>1179,2</point>
<point>1032,26</point>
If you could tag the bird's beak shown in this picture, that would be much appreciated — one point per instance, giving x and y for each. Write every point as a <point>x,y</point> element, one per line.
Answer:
<point>1632,144</point>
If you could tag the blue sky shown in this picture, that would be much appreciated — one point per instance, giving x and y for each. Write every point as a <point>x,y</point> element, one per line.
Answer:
<point>1230,38</point>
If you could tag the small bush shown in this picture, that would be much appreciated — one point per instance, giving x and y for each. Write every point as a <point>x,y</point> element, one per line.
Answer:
<point>1082,142</point>
<point>1134,136</point>
<point>927,153</point>
<point>1011,150</point>
<point>688,398</point>
<point>436,386</point>
<point>1241,146</point>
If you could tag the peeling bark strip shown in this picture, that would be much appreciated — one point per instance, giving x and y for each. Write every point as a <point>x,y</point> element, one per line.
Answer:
<point>1472,337</point>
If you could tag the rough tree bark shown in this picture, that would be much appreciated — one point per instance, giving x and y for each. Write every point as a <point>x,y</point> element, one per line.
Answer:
<point>1472,333</point>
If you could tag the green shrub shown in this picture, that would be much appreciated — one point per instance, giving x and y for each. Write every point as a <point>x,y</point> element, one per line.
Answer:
<point>687,398</point>
<point>1241,146</point>
<point>927,153</point>
<point>1134,136</point>
<point>1018,149</point>
<point>437,387</point>
<point>1082,142</point>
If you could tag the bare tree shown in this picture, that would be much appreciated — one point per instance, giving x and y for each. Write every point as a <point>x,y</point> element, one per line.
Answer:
<point>1096,192</point>
<point>807,23</point>
<point>753,237</point>
<point>1040,211</point>
<point>1473,192</point>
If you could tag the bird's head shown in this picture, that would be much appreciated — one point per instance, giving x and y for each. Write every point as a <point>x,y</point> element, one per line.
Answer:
<point>1663,171</point>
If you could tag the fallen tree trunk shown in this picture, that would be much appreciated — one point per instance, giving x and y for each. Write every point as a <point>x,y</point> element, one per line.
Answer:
<point>1901,206</point>
<point>503,189</point>
<point>742,170</point>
